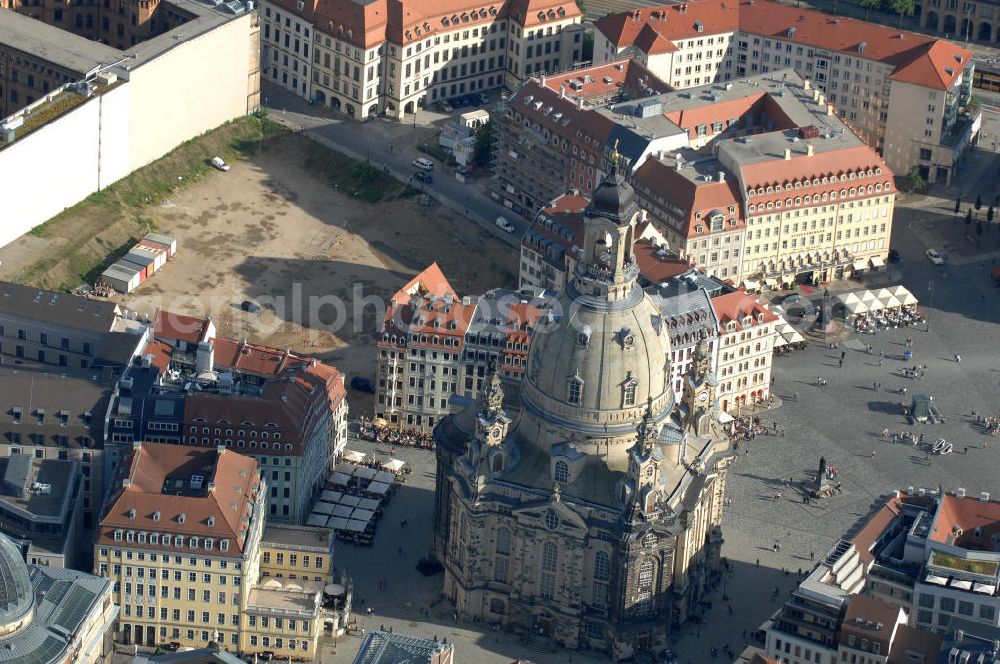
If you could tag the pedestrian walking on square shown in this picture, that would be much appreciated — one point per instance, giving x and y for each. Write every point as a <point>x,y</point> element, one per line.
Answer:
<point>841,364</point>
<point>843,354</point>
<point>958,358</point>
<point>880,361</point>
<point>873,454</point>
<point>874,387</point>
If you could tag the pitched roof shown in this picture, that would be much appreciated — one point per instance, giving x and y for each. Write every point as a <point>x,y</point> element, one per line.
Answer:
<point>596,81</point>
<point>157,495</point>
<point>168,326</point>
<point>56,308</point>
<point>871,618</point>
<point>911,54</point>
<point>243,357</point>
<point>911,643</point>
<point>656,264</point>
<point>695,197</point>
<point>431,282</point>
<point>967,514</point>
<point>669,22</point>
<point>733,307</point>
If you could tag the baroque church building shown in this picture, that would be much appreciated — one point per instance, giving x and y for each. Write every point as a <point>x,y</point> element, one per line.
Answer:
<point>591,516</point>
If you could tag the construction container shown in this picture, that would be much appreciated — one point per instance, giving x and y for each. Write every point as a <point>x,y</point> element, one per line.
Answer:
<point>164,241</point>
<point>123,278</point>
<point>158,251</point>
<point>146,260</point>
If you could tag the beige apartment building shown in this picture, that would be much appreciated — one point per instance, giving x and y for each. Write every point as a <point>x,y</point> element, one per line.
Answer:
<point>878,78</point>
<point>181,538</point>
<point>394,56</point>
<point>745,350</point>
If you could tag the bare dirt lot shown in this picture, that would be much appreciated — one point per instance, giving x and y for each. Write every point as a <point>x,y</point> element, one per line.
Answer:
<point>322,264</point>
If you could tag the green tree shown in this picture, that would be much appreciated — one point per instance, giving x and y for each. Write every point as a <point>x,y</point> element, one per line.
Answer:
<point>979,203</point>
<point>869,5</point>
<point>484,145</point>
<point>913,180</point>
<point>968,217</point>
<point>901,7</point>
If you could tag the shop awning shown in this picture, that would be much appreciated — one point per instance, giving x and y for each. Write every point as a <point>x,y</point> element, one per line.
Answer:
<point>779,341</point>
<point>725,418</point>
<point>859,265</point>
<point>771,283</point>
<point>877,261</point>
<point>751,285</point>
<point>354,457</point>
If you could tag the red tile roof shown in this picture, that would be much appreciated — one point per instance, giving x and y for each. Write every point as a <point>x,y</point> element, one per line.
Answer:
<point>967,514</point>
<point>168,326</point>
<point>240,356</point>
<point>430,283</point>
<point>735,306</point>
<point>864,540</point>
<point>596,81</point>
<point>858,160</point>
<point>669,22</point>
<point>911,54</point>
<point>653,266</point>
<point>916,58</point>
<point>872,619</point>
<point>147,500</point>
<point>692,196</point>
<point>291,405</point>
<point>913,644</point>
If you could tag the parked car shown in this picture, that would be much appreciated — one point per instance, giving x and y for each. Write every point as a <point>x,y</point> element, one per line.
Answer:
<point>505,225</point>
<point>483,99</point>
<point>423,164</point>
<point>934,257</point>
<point>362,385</point>
<point>217,162</point>
<point>424,176</point>
<point>250,306</point>
<point>445,106</point>
<point>894,256</point>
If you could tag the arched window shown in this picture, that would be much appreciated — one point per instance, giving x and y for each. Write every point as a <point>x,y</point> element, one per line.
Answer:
<point>602,566</point>
<point>644,589</point>
<point>550,557</point>
<point>503,541</point>
<point>561,472</point>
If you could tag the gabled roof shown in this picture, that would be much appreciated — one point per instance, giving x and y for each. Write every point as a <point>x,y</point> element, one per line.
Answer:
<point>168,326</point>
<point>733,307</point>
<point>907,52</point>
<point>150,500</point>
<point>431,282</point>
<point>240,356</point>
<point>967,514</point>
<point>693,196</point>
<point>669,22</point>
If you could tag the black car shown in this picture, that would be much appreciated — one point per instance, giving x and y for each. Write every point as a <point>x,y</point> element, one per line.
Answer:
<point>362,385</point>
<point>250,306</point>
<point>424,176</point>
<point>894,256</point>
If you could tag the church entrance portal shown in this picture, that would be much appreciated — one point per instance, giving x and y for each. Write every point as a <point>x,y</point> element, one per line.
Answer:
<point>541,625</point>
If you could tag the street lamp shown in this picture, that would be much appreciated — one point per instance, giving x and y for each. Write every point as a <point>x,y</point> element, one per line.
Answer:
<point>930,289</point>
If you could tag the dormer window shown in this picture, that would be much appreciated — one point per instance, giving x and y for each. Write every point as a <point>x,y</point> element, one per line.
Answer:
<point>180,518</point>
<point>156,516</point>
<point>574,390</point>
<point>560,472</point>
<point>583,337</point>
<point>628,391</point>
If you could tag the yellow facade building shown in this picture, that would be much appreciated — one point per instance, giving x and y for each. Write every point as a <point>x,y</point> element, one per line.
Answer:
<point>182,540</point>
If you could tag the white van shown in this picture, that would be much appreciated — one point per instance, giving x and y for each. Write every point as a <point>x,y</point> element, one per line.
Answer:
<point>505,225</point>
<point>423,164</point>
<point>218,163</point>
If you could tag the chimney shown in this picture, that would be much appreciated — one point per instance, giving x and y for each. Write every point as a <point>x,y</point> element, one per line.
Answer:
<point>211,487</point>
<point>204,357</point>
<point>815,94</point>
<point>788,154</point>
<point>562,91</point>
<point>126,483</point>
<point>722,176</point>
<point>829,109</point>
<point>821,99</point>
<point>810,150</point>
<point>807,84</point>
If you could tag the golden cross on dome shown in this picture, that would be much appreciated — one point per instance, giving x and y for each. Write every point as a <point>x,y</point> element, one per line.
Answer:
<point>615,157</point>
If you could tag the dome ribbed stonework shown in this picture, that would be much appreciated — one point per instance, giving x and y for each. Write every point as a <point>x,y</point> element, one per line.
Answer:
<point>16,594</point>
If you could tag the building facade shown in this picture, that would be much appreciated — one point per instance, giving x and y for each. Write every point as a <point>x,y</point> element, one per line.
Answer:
<point>745,349</point>
<point>594,521</point>
<point>182,558</point>
<point>392,57</point>
<point>876,77</point>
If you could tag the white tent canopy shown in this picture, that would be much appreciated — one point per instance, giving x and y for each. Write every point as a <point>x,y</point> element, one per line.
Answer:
<point>890,301</point>
<point>354,457</point>
<point>393,465</point>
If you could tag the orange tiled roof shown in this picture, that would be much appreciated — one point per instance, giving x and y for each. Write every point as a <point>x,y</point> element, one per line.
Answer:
<point>669,22</point>
<point>244,357</point>
<point>967,514</point>
<point>431,282</point>
<point>621,73</point>
<point>654,267</point>
<point>147,501</point>
<point>168,326</point>
<point>733,307</point>
<point>692,196</point>
<point>915,58</point>
<point>911,54</point>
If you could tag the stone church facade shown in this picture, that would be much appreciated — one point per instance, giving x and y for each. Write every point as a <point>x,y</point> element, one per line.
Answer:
<point>592,515</point>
